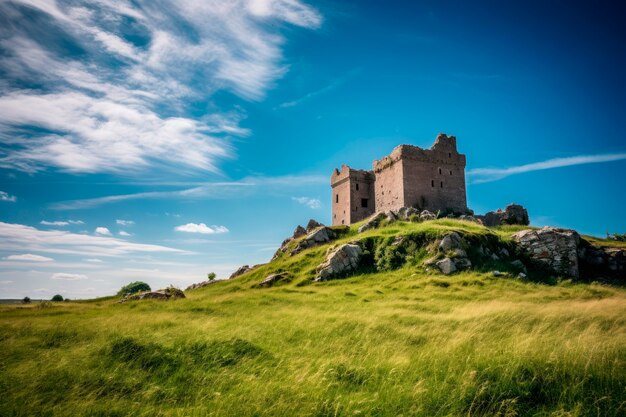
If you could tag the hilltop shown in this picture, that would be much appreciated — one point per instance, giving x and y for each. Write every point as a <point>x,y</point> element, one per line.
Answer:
<point>388,335</point>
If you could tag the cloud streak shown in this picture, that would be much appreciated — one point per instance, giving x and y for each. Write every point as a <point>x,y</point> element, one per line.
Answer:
<point>218,190</point>
<point>22,238</point>
<point>484,175</point>
<point>201,228</point>
<point>312,203</point>
<point>4,196</point>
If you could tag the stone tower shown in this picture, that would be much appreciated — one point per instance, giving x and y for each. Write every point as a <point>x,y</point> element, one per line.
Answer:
<point>410,176</point>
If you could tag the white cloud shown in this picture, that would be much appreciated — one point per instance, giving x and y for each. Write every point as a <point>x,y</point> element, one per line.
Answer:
<point>102,231</point>
<point>93,260</point>
<point>312,203</point>
<point>29,257</point>
<point>61,222</point>
<point>4,196</point>
<point>123,233</point>
<point>100,114</point>
<point>18,237</point>
<point>68,277</point>
<point>482,175</point>
<point>124,222</point>
<point>201,228</point>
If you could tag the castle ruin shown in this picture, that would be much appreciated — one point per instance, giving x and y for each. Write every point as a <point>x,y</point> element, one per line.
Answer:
<point>431,179</point>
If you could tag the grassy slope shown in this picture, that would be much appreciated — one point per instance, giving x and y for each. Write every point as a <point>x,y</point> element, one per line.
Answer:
<point>403,342</point>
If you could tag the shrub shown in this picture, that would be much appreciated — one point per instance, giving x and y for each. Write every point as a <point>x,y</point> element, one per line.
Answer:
<point>57,297</point>
<point>26,300</point>
<point>211,276</point>
<point>134,287</point>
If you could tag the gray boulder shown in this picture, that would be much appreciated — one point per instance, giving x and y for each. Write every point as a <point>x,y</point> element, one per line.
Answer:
<point>272,279</point>
<point>339,262</point>
<point>427,215</point>
<point>405,213</point>
<point>446,266</point>
<point>556,249</point>
<point>240,271</point>
<point>450,241</point>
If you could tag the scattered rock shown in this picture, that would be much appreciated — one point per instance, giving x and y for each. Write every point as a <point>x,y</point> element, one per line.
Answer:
<point>427,215</point>
<point>446,266</point>
<point>556,249</point>
<point>169,293</point>
<point>373,222</point>
<point>450,241</point>
<point>522,275</point>
<point>504,253</point>
<point>497,273</point>
<point>312,224</point>
<point>468,218</point>
<point>272,279</point>
<point>299,232</point>
<point>462,263</point>
<point>240,271</point>
<point>200,285</point>
<point>340,261</point>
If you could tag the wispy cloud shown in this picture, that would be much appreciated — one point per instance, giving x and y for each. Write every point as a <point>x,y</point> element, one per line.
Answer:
<point>201,228</point>
<point>123,233</point>
<point>217,190</point>
<point>124,222</point>
<point>312,203</point>
<point>4,196</point>
<point>333,85</point>
<point>483,175</point>
<point>68,277</point>
<point>97,111</point>
<point>28,257</point>
<point>61,222</point>
<point>22,238</point>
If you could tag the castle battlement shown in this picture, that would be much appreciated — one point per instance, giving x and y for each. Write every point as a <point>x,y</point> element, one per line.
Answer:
<point>409,176</point>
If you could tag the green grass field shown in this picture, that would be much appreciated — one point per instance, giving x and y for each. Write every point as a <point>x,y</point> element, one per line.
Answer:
<point>403,342</point>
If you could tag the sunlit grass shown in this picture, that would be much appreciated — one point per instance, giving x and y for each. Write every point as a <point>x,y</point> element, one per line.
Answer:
<point>393,343</point>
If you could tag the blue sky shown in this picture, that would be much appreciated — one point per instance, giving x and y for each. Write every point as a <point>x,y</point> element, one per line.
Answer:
<point>162,140</point>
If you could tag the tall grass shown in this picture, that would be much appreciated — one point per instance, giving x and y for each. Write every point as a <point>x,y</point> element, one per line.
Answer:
<point>393,343</point>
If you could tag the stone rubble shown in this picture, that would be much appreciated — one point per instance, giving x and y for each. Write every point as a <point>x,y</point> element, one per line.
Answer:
<point>556,249</point>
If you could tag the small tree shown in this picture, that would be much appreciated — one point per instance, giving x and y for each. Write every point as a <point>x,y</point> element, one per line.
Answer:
<point>57,297</point>
<point>211,276</point>
<point>26,300</point>
<point>134,287</point>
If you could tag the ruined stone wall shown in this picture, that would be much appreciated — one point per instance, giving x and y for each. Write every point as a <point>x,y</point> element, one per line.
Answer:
<point>362,199</point>
<point>389,186</point>
<point>353,197</point>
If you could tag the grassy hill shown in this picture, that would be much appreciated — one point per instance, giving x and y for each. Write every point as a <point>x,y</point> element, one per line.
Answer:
<point>392,340</point>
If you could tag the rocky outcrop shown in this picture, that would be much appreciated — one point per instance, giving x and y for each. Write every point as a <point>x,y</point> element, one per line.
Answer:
<point>601,263</point>
<point>512,214</point>
<point>316,237</point>
<point>312,224</point>
<point>556,249</point>
<point>373,222</point>
<point>240,271</point>
<point>272,279</point>
<point>200,285</point>
<point>453,246</point>
<point>169,293</point>
<point>405,213</point>
<point>299,232</point>
<point>339,262</point>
